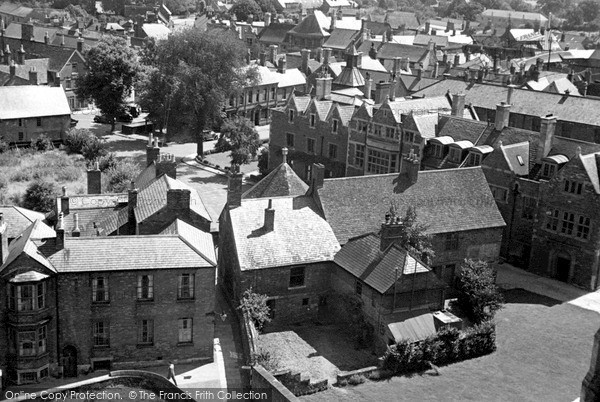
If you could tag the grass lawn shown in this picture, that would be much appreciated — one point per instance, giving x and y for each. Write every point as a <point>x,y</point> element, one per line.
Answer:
<point>544,352</point>
<point>222,159</point>
<point>318,352</point>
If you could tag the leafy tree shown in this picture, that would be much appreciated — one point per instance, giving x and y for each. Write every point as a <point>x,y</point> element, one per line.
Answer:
<point>112,72</point>
<point>552,6</point>
<point>42,143</point>
<point>478,296</point>
<point>40,196</point>
<point>266,6</point>
<point>412,234</point>
<point>574,17</point>
<point>255,305</point>
<point>242,138</point>
<point>590,9</point>
<point>243,8</point>
<point>263,160</point>
<point>120,175</point>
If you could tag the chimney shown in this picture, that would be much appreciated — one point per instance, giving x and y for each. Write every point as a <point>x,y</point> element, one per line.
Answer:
<point>269,217</point>
<point>502,116</point>
<point>262,58</point>
<point>535,73</point>
<point>458,104</point>
<point>391,231</point>
<point>434,32</point>
<point>62,41</point>
<point>80,42</point>
<point>323,85</point>
<point>431,46</point>
<point>420,72</point>
<point>248,56</point>
<point>333,20</point>
<point>562,37</point>
<point>152,150</point>
<point>412,167</point>
<point>547,129</point>
<point>27,32</point>
<point>456,59</point>
<point>404,63</point>
<point>21,55</point>
<point>273,54</point>
<point>584,88</point>
<point>284,153</point>
<point>178,199</point>
<point>12,68</point>
<point>368,86</point>
<point>382,91</point>
<point>326,55</point>
<point>250,19</point>
<point>570,75</point>
<point>436,69</point>
<point>60,232</point>
<point>166,164</point>
<point>305,57</point>
<point>33,76</point>
<point>94,180</point>
<point>282,64</point>
<point>393,90</point>
<point>76,231</point>
<point>3,239</point>
<point>319,54</point>
<point>234,190</point>
<point>445,58</point>
<point>480,75</point>
<point>318,176</point>
<point>396,68</point>
<point>513,69</point>
<point>427,27</point>
<point>132,197</point>
<point>267,18</point>
<point>509,94</point>
<point>64,201</point>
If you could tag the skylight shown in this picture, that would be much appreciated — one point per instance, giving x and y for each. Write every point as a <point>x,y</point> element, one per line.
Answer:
<point>520,159</point>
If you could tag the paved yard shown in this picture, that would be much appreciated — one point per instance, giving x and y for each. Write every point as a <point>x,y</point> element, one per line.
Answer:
<point>318,352</point>
<point>544,351</point>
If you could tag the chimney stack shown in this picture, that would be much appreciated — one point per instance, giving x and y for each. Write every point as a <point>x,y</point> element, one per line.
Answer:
<point>166,164</point>
<point>178,199</point>
<point>267,18</point>
<point>76,231</point>
<point>152,150</point>
<point>27,31</point>
<point>248,56</point>
<point>273,54</point>
<point>46,38</point>
<point>458,104</point>
<point>6,58</point>
<point>323,87</point>
<point>319,54</point>
<point>21,55</point>
<point>269,217</point>
<point>284,153</point>
<point>94,180</point>
<point>502,116</point>
<point>318,176</point>
<point>234,190</point>
<point>64,201</point>
<point>396,68</point>
<point>412,167</point>
<point>368,86</point>
<point>427,27</point>
<point>393,90</point>
<point>60,232</point>
<point>305,57</point>
<point>382,91</point>
<point>132,197</point>
<point>509,94</point>
<point>262,58</point>
<point>282,64</point>
<point>3,239</point>
<point>391,231</point>
<point>333,20</point>
<point>80,43</point>
<point>326,55</point>
<point>12,68</point>
<point>547,129</point>
<point>436,69</point>
<point>456,59</point>
<point>33,76</point>
<point>480,75</point>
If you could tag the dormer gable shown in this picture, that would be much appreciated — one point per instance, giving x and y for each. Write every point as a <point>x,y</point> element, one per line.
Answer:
<point>385,115</point>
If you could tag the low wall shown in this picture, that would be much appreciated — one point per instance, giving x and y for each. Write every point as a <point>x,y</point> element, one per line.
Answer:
<point>345,375</point>
<point>263,380</point>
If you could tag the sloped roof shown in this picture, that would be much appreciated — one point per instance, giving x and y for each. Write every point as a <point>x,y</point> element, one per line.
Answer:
<point>517,157</point>
<point>156,31</point>
<point>18,219</point>
<point>561,86</point>
<point>426,124</point>
<point>350,77</point>
<point>413,83</point>
<point>389,50</point>
<point>447,200</point>
<point>590,164</point>
<point>22,70</point>
<point>32,101</point>
<point>24,244</point>
<point>199,240</point>
<point>15,9</point>
<point>423,40</point>
<point>340,38</point>
<point>146,176</point>
<point>414,329</point>
<point>315,24</point>
<point>108,223</point>
<point>300,234</point>
<point>435,104</point>
<point>396,19</point>
<point>514,15</point>
<point>282,181</point>
<point>275,33</point>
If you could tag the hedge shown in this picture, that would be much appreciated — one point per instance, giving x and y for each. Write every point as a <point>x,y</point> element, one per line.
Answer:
<point>447,346</point>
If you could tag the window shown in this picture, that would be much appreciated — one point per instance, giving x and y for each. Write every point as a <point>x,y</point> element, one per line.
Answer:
<point>28,376</point>
<point>185,287</point>
<point>145,287</point>
<point>310,145</point>
<point>358,287</point>
<point>528,207</point>
<point>41,332</point>
<point>313,120</point>
<point>552,222</point>
<point>474,159</point>
<point>100,289</point>
<point>289,140</point>
<point>21,136</point>
<point>231,101</point>
<point>27,297</point>
<point>271,306</point>
<point>273,93</point>
<point>437,150</point>
<point>380,162</point>
<point>241,99</point>
<point>257,96</point>
<point>27,342</point>
<point>583,227</point>
<point>185,330</point>
<point>291,116</point>
<point>334,125</point>
<point>100,333</point>
<point>455,154</point>
<point>500,193</point>
<point>548,170</point>
<point>377,130</point>
<point>568,222</point>
<point>39,121</point>
<point>333,151</point>
<point>74,67</point>
<point>296,277</point>
<point>249,96</point>
<point>573,187</point>
<point>359,156</point>
<point>451,241</point>
<point>362,126</point>
<point>305,301</point>
<point>68,83</point>
<point>409,136</point>
<point>20,122</point>
<point>146,332</point>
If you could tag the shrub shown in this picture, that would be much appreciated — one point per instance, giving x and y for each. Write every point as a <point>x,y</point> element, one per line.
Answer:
<point>265,359</point>
<point>42,143</point>
<point>3,145</point>
<point>478,296</point>
<point>255,305</point>
<point>120,175</point>
<point>93,149</point>
<point>105,162</point>
<point>263,160</point>
<point>356,379</point>
<point>39,196</point>
<point>76,138</point>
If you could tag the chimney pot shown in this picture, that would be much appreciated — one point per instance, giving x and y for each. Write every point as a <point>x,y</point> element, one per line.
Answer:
<point>60,232</point>
<point>269,217</point>
<point>284,152</point>
<point>318,176</point>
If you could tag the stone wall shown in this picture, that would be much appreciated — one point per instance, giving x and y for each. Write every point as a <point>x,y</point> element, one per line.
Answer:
<point>54,127</point>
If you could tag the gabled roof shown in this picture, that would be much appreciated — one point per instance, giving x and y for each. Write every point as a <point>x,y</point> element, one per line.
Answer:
<point>32,101</point>
<point>282,181</point>
<point>275,33</point>
<point>397,19</point>
<point>435,104</point>
<point>24,244</point>
<point>591,166</point>
<point>423,40</point>
<point>156,31</point>
<point>517,157</point>
<point>448,200</point>
<point>424,123</point>
<point>199,240</point>
<point>300,234</point>
<point>300,103</point>
<point>15,9</point>
<point>18,219</point>
<point>59,56</point>
<point>321,107</point>
<point>341,39</point>
<point>390,50</point>
<point>22,71</point>
<point>315,24</point>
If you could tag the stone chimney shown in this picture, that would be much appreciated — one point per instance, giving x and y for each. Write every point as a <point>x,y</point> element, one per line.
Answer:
<point>60,232</point>
<point>319,54</point>
<point>12,68</point>
<point>436,69</point>
<point>179,199</point>
<point>46,38</point>
<point>27,32</point>
<point>502,116</point>
<point>323,87</point>
<point>584,88</point>
<point>393,90</point>
<point>273,54</point>
<point>368,86</point>
<point>33,76</point>
<point>3,239</point>
<point>269,217</point>
<point>284,154</point>
<point>132,198</point>
<point>282,64</point>
<point>458,104</point>
<point>431,46</point>
<point>326,55</point>
<point>76,231</point>
<point>509,94</point>
<point>64,201</point>
<point>21,55</point>
<point>94,180</point>
<point>420,72</point>
<point>333,20</point>
<point>456,59</point>
<point>305,57</point>
<point>445,58</point>
<point>262,58</point>
<point>427,27</point>
<point>396,67</point>
<point>317,177</point>
<point>80,43</point>
<point>382,91</point>
<point>166,164</point>
<point>391,231</point>
<point>152,150</point>
<point>267,18</point>
<point>234,190</point>
<point>412,167</point>
<point>547,129</point>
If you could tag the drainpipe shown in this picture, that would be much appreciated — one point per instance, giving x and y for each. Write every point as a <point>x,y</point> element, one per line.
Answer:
<point>512,213</point>
<point>57,321</point>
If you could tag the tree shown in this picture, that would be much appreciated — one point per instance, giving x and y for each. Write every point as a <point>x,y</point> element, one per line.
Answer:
<point>255,305</point>
<point>478,296</point>
<point>412,234</point>
<point>40,196</point>
<point>243,8</point>
<point>112,71</point>
<point>120,175</point>
<point>266,6</point>
<point>552,6</point>
<point>590,9</point>
<point>263,160</point>
<point>242,138</point>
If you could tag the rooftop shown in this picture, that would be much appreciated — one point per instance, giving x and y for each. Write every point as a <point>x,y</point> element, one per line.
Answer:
<point>27,101</point>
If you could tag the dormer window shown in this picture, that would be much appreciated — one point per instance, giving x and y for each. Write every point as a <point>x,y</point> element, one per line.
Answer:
<point>437,150</point>
<point>474,159</point>
<point>573,187</point>
<point>291,114</point>
<point>313,120</point>
<point>548,169</point>
<point>335,124</point>
<point>455,154</point>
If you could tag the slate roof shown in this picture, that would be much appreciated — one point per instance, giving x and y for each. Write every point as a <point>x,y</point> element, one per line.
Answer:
<point>512,153</point>
<point>24,244</point>
<point>414,84</point>
<point>423,40</point>
<point>275,33</point>
<point>389,50</point>
<point>146,176</point>
<point>156,31</point>
<point>419,105</point>
<point>590,164</point>
<point>15,9</point>
<point>448,200</point>
<point>58,55</point>
<point>22,71</point>
<point>300,235</point>
<point>514,14</point>
<point>107,223</point>
<point>398,18</point>
<point>363,258</point>
<point>414,329</point>
<point>566,108</point>
<point>14,30</point>
<point>18,219</point>
<point>199,240</point>
<point>341,39</point>
<point>426,124</point>
<point>282,181</point>
<point>32,101</point>
<point>315,24</point>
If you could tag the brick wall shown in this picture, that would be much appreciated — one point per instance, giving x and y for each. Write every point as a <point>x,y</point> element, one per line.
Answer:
<point>54,127</point>
<point>474,244</point>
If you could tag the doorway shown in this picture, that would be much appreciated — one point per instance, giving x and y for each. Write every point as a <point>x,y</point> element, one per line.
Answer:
<point>69,357</point>
<point>257,118</point>
<point>563,267</point>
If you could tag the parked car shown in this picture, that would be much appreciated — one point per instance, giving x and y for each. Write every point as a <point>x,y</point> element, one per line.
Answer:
<point>73,123</point>
<point>209,135</point>
<point>125,117</point>
<point>102,119</point>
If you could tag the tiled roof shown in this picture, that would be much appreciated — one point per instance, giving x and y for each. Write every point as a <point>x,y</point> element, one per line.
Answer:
<point>423,40</point>
<point>22,70</point>
<point>363,258</point>
<point>199,240</point>
<point>108,223</point>
<point>413,83</point>
<point>377,28</point>
<point>300,234</point>
<point>315,24</point>
<point>300,102</point>
<point>25,244</point>
<point>398,19</point>
<point>566,108</point>
<point>350,77</point>
<point>389,50</point>
<point>340,39</point>
<point>445,200</point>
<point>275,33</point>
<point>18,219</point>
<point>32,101</point>
<point>322,108</point>
<point>282,181</point>
<point>561,86</point>
<point>58,55</point>
<point>426,124</point>
<point>146,176</point>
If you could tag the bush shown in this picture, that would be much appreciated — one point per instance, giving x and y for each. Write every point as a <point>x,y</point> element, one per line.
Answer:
<point>478,296</point>
<point>255,305</point>
<point>120,175</point>
<point>263,161</point>
<point>93,149</point>
<point>83,141</point>
<point>105,162</point>
<point>265,359</point>
<point>42,143</point>
<point>3,145</point>
<point>356,379</point>
<point>39,196</point>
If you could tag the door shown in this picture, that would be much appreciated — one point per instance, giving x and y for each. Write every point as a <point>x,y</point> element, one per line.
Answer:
<point>563,267</point>
<point>257,118</point>
<point>69,361</point>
